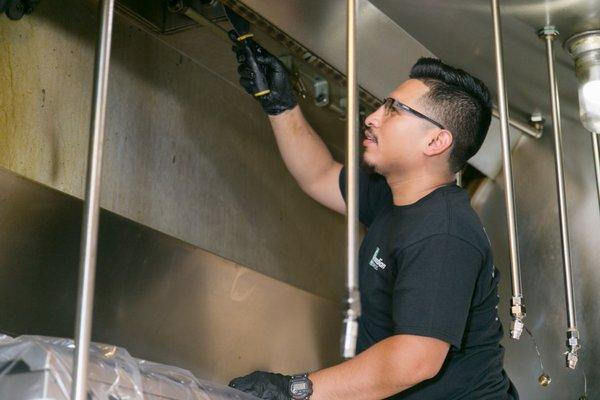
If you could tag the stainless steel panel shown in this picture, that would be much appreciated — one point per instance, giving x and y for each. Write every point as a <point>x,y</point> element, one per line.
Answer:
<point>461,34</point>
<point>321,26</point>
<point>540,252</point>
<point>187,152</point>
<point>171,107</point>
<point>160,298</point>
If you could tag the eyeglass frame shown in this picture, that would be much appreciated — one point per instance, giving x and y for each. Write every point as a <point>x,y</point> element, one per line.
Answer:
<point>399,105</point>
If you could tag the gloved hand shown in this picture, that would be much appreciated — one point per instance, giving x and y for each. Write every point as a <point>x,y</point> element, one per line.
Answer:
<point>281,97</point>
<point>264,385</point>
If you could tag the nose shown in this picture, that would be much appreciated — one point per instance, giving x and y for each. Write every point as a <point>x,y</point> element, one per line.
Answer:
<point>374,119</point>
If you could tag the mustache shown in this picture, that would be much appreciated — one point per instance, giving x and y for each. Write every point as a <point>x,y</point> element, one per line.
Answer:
<point>368,133</point>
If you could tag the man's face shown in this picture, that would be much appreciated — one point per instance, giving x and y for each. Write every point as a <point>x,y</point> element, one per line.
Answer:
<point>396,141</point>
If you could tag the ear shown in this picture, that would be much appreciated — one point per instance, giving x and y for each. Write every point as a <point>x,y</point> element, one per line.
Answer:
<point>439,142</point>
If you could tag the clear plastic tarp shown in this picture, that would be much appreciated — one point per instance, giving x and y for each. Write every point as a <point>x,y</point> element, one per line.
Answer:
<point>40,368</point>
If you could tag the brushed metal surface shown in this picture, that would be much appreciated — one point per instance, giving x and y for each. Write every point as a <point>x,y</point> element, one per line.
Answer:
<point>160,298</point>
<point>321,26</point>
<point>541,261</point>
<point>461,34</point>
<point>187,152</point>
<point>161,108</point>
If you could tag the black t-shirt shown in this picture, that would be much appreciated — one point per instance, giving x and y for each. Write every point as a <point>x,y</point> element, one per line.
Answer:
<point>426,269</point>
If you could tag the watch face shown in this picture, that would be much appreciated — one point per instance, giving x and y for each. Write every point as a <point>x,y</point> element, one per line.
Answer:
<point>299,387</point>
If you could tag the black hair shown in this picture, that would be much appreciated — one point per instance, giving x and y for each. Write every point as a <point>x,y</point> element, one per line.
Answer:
<point>460,102</point>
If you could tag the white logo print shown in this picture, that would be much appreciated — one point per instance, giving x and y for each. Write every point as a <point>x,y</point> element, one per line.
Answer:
<point>377,263</point>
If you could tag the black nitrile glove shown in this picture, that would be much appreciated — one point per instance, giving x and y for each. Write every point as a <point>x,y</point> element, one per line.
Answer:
<point>264,385</point>
<point>281,97</point>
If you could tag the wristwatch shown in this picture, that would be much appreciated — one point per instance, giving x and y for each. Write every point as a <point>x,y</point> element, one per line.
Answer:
<point>300,387</point>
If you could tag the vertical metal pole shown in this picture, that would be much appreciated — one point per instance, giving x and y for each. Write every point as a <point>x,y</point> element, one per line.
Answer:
<point>517,309</point>
<point>548,34</point>
<point>596,149</point>
<point>350,334</point>
<point>88,251</point>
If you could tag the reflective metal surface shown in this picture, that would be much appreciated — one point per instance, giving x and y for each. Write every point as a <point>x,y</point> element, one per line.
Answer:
<point>467,43</point>
<point>160,298</point>
<point>187,152</point>
<point>185,146</point>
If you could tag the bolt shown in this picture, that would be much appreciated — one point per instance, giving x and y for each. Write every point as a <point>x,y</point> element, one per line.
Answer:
<point>544,380</point>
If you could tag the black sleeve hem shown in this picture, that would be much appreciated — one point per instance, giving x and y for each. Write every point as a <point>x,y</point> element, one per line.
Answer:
<point>429,332</point>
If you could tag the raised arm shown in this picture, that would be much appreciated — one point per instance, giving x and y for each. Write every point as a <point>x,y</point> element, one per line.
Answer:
<point>308,159</point>
<point>303,151</point>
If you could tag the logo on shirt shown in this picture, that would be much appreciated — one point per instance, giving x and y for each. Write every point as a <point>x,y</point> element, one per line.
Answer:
<point>377,263</point>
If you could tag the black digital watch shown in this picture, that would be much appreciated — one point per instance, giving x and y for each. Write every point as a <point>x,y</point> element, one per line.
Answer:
<point>300,387</point>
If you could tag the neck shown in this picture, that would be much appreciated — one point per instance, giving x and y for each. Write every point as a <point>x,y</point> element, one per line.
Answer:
<point>410,189</point>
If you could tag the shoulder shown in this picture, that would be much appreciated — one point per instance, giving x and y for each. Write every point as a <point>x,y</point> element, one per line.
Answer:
<point>443,244</point>
<point>448,215</point>
<point>464,223</point>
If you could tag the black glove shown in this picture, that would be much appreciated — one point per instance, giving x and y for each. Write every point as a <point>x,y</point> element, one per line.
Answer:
<point>281,97</point>
<point>264,385</point>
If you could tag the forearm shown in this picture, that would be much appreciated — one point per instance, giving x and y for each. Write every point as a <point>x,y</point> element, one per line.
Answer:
<point>304,153</point>
<point>387,368</point>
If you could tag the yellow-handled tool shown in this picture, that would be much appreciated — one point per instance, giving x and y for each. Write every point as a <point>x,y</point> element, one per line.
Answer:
<point>242,37</point>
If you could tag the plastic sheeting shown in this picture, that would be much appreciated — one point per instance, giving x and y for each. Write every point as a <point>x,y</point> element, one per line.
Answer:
<point>40,368</point>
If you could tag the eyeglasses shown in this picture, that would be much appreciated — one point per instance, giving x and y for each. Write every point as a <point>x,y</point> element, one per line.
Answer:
<point>390,104</point>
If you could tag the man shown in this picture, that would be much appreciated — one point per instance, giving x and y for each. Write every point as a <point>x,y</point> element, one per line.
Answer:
<point>429,327</point>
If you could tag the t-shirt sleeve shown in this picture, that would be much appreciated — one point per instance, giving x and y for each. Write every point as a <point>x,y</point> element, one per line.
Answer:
<point>373,193</point>
<point>434,285</point>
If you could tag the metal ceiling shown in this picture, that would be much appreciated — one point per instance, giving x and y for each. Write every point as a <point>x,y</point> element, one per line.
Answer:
<point>461,34</point>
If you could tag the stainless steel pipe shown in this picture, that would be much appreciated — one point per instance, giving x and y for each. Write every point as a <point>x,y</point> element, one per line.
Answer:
<point>528,129</point>
<point>548,34</point>
<point>89,240</point>
<point>517,305</point>
<point>352,314</point>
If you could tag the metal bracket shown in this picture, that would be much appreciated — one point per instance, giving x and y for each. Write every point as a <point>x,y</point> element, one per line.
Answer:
<point>321,89</point>
<point>350,324</point>
<point>573,346</point>
<point>517,311</point>
<point>537,121</point>
<point>548,31</point>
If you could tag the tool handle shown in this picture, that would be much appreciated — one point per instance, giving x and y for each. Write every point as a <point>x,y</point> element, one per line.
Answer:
<point>262,86</point>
